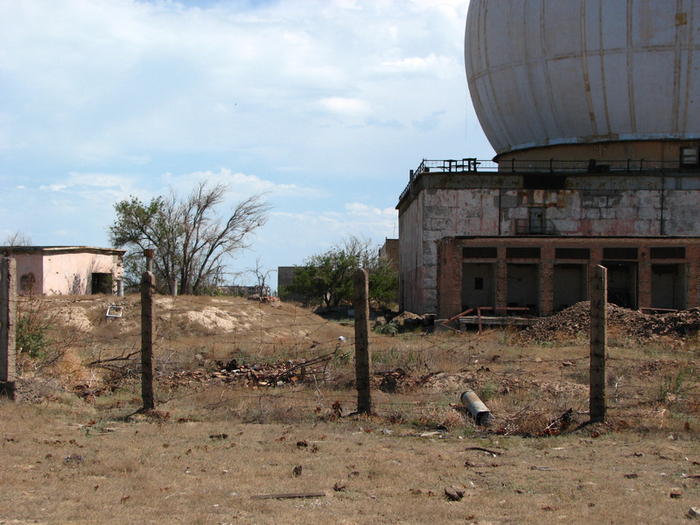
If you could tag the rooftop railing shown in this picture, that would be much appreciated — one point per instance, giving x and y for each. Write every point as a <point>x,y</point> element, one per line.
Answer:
<point>588,166</point>
<point>474,165</point>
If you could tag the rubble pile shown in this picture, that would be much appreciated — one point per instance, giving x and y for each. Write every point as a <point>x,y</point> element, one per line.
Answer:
<point>575,322</point>
<point>258,375</point>
<point>677,324</point>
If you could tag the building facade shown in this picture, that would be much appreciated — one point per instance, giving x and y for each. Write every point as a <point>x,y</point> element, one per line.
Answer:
<point>590,106</point>
<point>66,270</point>
<point>510,239</point>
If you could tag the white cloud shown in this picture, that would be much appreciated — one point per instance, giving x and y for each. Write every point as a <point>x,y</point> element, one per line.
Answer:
<point>310,102</point>
<point>349,106</point>
<point>240,184</point>
<point>53,187</point>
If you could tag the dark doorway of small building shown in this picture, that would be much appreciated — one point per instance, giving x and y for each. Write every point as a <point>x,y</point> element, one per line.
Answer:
<point>622,283</point>
<point>478,285</point>
<point>668,286</point>
<point>570,285</point>
<point>102,283</point>
<point>523,286</point>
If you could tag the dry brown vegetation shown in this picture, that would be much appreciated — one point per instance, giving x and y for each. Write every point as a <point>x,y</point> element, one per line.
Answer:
<point>238,417</point>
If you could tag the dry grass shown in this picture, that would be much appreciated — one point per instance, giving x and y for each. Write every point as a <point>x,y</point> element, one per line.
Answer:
<point>211,445</point>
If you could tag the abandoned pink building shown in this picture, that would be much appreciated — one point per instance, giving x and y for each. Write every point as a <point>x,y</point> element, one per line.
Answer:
<point>66,270</point>
<point>593,110</point>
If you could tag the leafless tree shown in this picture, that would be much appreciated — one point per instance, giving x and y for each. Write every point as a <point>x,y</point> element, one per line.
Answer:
<point>18,238</point>
<point>261,275</point>
<point>193,243</point>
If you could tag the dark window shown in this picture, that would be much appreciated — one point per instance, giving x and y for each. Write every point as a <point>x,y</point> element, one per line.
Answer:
<point>544,182</point>
<point>620,254</point>
<point>668,253</point>
<point>27,283</point>
<point>572,253</point>
<point>523,253</point>
<point>478,283</point>
<point>102,283</point>
<point>536,219</point>
<point>478,252</point>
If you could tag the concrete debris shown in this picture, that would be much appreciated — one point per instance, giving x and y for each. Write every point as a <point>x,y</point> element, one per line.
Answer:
<point>259,375</point>
<point>574,322</point>
<point>398,380</point>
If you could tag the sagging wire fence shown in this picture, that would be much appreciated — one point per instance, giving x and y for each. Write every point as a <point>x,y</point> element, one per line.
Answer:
<point>273,359</point>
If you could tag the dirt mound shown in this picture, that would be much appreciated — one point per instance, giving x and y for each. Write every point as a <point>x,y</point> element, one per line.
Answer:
<point>575,322</point>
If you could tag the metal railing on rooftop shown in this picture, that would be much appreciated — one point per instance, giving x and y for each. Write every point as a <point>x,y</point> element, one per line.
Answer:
<point>588,166</point>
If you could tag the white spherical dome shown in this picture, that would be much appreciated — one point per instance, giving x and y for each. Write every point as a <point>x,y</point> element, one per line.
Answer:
<point>544,73</point>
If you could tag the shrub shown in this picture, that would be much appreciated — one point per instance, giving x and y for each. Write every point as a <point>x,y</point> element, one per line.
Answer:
<point>31,332</point>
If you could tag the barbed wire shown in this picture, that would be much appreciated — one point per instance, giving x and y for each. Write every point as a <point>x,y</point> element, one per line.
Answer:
<point>287,332</point>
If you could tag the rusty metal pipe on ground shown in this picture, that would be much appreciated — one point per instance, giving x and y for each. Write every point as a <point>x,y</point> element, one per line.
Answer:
<point>478,410</point>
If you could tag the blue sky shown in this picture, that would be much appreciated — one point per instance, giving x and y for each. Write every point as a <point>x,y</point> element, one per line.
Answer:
<point>325,105</point>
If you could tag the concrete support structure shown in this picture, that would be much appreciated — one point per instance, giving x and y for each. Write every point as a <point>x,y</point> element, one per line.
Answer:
<point>531,235</point>
<point>657,273</point>
<point>8,317</point>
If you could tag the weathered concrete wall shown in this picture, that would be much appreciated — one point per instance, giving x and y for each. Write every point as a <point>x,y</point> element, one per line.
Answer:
<point>30,274</point>
<point>461,205</point>
<point>72,273</point>
<point>411,262</point>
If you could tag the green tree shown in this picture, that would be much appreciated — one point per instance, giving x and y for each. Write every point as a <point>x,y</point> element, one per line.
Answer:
<point>326,279</point>
<point>192,242</point>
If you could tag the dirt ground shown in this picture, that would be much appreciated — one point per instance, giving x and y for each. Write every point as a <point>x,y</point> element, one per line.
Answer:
<point>238,420</point>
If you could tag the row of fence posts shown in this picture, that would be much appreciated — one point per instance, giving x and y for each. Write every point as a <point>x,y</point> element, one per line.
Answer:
<point>363,354</point>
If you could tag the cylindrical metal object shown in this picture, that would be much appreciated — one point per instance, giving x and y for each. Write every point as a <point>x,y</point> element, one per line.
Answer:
<point>477,409</point>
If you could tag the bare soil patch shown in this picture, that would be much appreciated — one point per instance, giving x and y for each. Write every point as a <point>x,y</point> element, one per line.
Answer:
<point>254,399</point>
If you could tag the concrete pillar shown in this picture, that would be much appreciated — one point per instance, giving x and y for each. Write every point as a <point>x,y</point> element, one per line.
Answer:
<point>501,278</point>
<point>644,278</point>
<point>8,313</point>
<point>596,259</point>
<point>692,255</point>
<point>598,348</point>
<point>363,354</point>
<point>546,279</point>
<point>148,285</point>
<point>449,278</point>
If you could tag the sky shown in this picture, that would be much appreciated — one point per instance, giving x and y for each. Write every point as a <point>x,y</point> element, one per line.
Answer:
<point>323,105</point>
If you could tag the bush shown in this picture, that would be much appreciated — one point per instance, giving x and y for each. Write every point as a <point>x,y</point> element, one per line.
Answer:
<point>31,333</point>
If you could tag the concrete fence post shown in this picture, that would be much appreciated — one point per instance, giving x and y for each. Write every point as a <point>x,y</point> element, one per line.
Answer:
<point>599,319</point>
<point>148,285</point>
<point>363,355</point>
<point>8,315</point>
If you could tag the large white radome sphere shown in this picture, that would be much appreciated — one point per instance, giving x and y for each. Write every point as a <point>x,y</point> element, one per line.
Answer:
<point>551,72</point>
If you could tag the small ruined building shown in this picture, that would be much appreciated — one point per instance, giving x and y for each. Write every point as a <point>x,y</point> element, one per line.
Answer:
<point>66,270</point>
<point>594,113</point>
